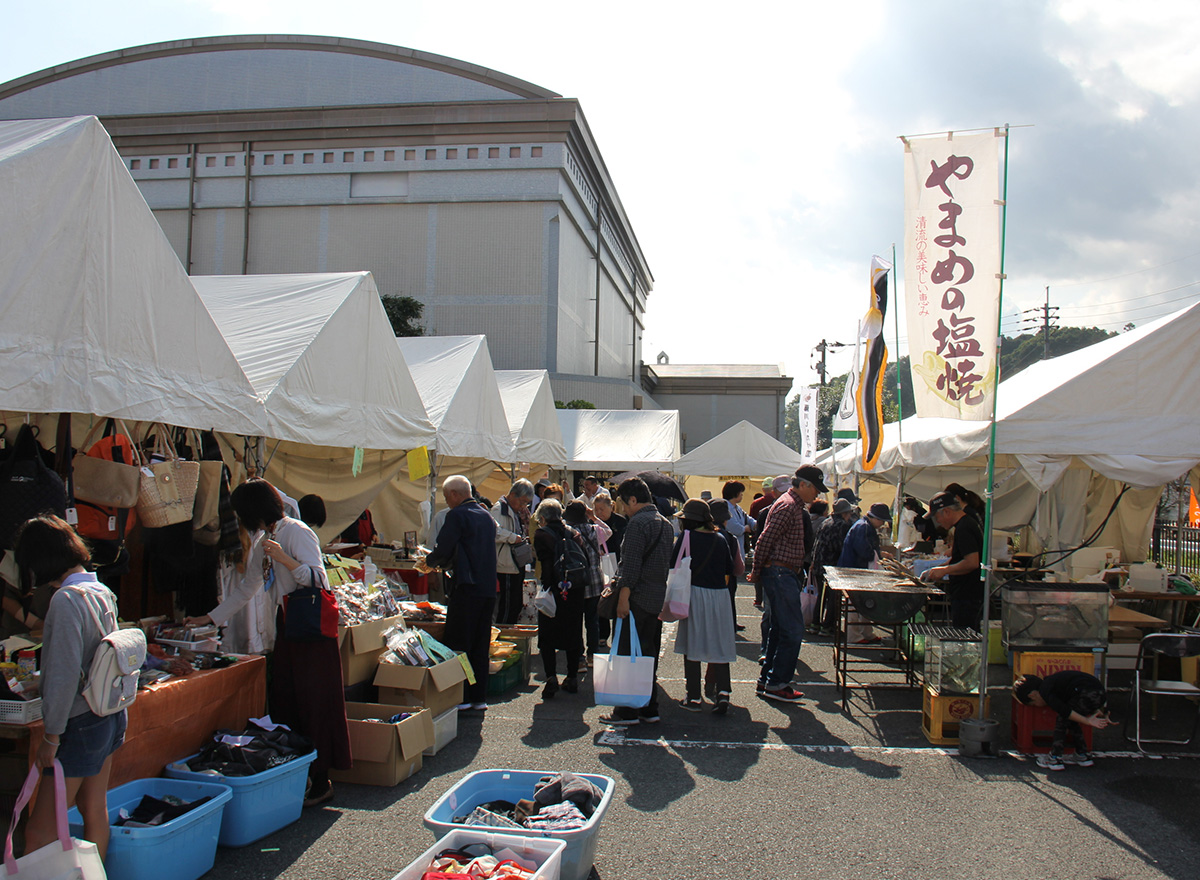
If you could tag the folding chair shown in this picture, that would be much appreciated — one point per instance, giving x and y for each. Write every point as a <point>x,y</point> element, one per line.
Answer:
<point>1153,649</point>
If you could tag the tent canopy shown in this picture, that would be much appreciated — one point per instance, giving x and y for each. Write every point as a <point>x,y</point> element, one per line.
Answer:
<point>532,417</point>
<point>741,451</point>
<point>1124,407</point>
<point>97,316</point>
<point>620,439</point>
<point>320,352</point>
<point>457,383</point>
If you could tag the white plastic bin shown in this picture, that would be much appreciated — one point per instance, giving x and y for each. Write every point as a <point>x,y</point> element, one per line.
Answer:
<point>544,852</point>
<point>445,729</point>
<point>513,785</point>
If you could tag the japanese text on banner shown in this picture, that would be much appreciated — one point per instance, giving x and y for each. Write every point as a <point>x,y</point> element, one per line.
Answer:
<point>952,272</point>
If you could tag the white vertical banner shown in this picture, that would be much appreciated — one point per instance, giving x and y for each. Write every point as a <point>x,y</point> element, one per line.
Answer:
<point>808,416</point>
<point>952,271</point>
<point>845,419</point>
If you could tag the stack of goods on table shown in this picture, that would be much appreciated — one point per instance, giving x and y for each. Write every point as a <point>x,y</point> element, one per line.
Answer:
<point>20,700</point>
<point>429,616</point>
<point>368,606</point>
<point>176,650</point>
<point>526,804</point>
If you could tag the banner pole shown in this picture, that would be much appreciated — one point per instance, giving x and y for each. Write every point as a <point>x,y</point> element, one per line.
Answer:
<point>986,561</point>
<point>896,317</point>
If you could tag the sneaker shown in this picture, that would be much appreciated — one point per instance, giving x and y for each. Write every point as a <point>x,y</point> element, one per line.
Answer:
<point>722,704</point>
<point>549,690</point>
<point>760,687</point>
<point>649,719</point>
<point>616,720</point>
<point>463,707</point>
<point>571,685</point>
<point>691,705</point>
<point>1051,762</point>
<point>785,694</point>
<point>1081,759</point>
<point>479,707</point>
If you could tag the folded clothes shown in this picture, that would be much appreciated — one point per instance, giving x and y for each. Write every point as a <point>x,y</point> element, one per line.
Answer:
<point>568,787</point>
<point>152,811</point>
<point>254,750</point>
<point>556,817</point>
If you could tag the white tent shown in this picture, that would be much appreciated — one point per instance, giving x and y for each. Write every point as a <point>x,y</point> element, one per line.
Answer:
<point>620,439</point>
<point>1124,407</point>
<point>532,417</point>
<point>457,383</point>
<point>743,450</point>
<point>321,354</point>
<point>1068,430</point>
<point>97,316</point>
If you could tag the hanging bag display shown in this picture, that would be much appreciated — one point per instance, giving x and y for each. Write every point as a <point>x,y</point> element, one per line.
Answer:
<point>310,614</point>
<point>63,859</point>
<point>108,473</point>
<point>679,584</point>
<point>167,492</point>
<point>28,487</point>
<point>623,680</point>
<point>206,511</point>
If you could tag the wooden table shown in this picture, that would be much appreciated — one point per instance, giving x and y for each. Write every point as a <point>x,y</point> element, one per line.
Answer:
<point>1177,601</point>
<point>176,718</point>
<point>1128,617</point>
<point>856,580</point>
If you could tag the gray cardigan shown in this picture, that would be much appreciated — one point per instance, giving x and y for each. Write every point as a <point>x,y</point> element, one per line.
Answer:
<point>69,642</point>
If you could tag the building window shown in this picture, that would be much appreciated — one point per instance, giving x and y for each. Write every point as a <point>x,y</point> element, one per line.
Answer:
<point>135,164</point>
<point>431,154</point>
<point>289,158</point>
<point>536,152</point>
<point>210,161</point>
<point>229,161</point>
<point>368,155</point>
<point>514,152</point>
<point>389,155</point>
<point>472,152</point>
<point>410,155</point>
<point>269,159</point>
<point>348,156</point>
<point>493,152</point>
<point>327,157</point>
<point>172,163</point>
<point>308,158</point>
<point>153,163</point>
<point>452,154</point>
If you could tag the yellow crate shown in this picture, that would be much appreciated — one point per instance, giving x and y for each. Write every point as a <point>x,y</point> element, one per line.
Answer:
<point>1043,663</point>
<point>941,715</point>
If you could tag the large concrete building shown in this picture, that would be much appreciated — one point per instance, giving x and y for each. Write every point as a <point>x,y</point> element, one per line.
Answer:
<point>482,196</point>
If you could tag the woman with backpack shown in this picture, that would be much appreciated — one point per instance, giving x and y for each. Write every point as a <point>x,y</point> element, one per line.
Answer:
<point>306,676</point>
<point>565,574</point>
<point>592,535</point>
<point>82,741</point>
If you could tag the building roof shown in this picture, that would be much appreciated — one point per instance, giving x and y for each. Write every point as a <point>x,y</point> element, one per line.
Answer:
<point>717,371</point>
<point>252,72</point>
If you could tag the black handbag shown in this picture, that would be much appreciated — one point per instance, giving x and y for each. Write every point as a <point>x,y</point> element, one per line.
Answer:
<point>28,488</point>
<point>522,555</point>
<point>310,614</point>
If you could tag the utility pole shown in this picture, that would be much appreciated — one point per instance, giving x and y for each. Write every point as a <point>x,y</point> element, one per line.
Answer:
<point>1048,313</point>
<point>824,347</point>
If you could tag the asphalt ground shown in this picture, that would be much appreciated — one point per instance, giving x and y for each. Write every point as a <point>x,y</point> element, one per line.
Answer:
<point>781,791</point>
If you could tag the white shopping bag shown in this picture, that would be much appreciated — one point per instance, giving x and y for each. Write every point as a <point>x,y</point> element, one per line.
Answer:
<point>619,680</point>
<point>62,859</point>
<point>679,584</point>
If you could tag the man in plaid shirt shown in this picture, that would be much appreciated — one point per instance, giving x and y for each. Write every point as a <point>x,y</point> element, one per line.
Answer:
<point>779,566</point>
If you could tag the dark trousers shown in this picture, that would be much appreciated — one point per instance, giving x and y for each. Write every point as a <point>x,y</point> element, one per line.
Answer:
<point>649,629</point>
<point>469,629</point>
<point>1065,729</point>
<point>717,675</point>
<point>510,599</point>
<point>595,627</point>
<point>966,609</point>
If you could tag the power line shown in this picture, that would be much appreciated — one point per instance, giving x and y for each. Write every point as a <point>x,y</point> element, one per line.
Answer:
<point>1118,309</point>
<point>1127,274</point>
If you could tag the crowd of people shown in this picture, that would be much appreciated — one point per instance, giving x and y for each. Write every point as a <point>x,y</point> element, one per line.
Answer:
<point>626,540</point>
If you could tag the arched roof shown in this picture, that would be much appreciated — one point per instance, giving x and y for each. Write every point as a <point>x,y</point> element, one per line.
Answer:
<point>254,72</point>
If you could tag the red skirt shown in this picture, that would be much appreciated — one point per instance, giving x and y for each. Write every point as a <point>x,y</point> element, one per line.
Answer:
<point>306,694</point>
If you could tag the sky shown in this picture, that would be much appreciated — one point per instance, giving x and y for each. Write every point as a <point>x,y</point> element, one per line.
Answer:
<point>755,147</point>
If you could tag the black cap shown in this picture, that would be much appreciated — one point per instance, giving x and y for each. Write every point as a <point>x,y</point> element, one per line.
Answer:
<point>881,511</point>
<point>813,474</point>
<point>720,510</point>
<point>849,495</point>
<point>941,501</point>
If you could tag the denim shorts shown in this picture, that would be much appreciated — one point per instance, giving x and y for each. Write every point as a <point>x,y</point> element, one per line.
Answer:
<point>88,741</point>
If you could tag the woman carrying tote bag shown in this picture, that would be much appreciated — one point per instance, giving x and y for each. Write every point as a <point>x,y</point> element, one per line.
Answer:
<point>81,741</point>
<point>706,635</point>
<point>306,683</point>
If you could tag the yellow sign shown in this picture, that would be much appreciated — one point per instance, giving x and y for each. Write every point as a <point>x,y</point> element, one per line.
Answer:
<point>418,463</point>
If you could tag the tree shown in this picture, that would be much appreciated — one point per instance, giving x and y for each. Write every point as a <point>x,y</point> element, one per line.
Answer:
<point>404,313</point>
<point>577,403</point>
<point>1019,352</point>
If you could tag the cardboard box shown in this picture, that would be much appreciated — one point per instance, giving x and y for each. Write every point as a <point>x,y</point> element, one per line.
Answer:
<point>435,688</point>
<point>385,754</point>
<point>361,647</point>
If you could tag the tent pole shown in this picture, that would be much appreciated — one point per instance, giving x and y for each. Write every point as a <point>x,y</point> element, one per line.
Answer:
<point>1185,485</point>
<point>986,560</point>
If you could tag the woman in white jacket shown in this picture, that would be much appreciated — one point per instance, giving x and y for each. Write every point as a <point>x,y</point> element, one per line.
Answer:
<point>511,514</point>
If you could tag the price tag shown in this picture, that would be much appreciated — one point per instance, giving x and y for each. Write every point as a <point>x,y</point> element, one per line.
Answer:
<point>72,516</point>
<point>112,523</point>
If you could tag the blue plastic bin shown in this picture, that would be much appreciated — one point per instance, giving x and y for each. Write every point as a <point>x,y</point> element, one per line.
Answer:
<point>188,844</point>
<point>513,785</point>
<point>261,804</point>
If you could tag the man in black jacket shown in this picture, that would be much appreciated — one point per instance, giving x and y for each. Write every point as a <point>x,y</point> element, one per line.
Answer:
<point>467,545</point>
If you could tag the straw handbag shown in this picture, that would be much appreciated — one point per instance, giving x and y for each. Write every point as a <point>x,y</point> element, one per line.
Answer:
<point>167,493</point>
